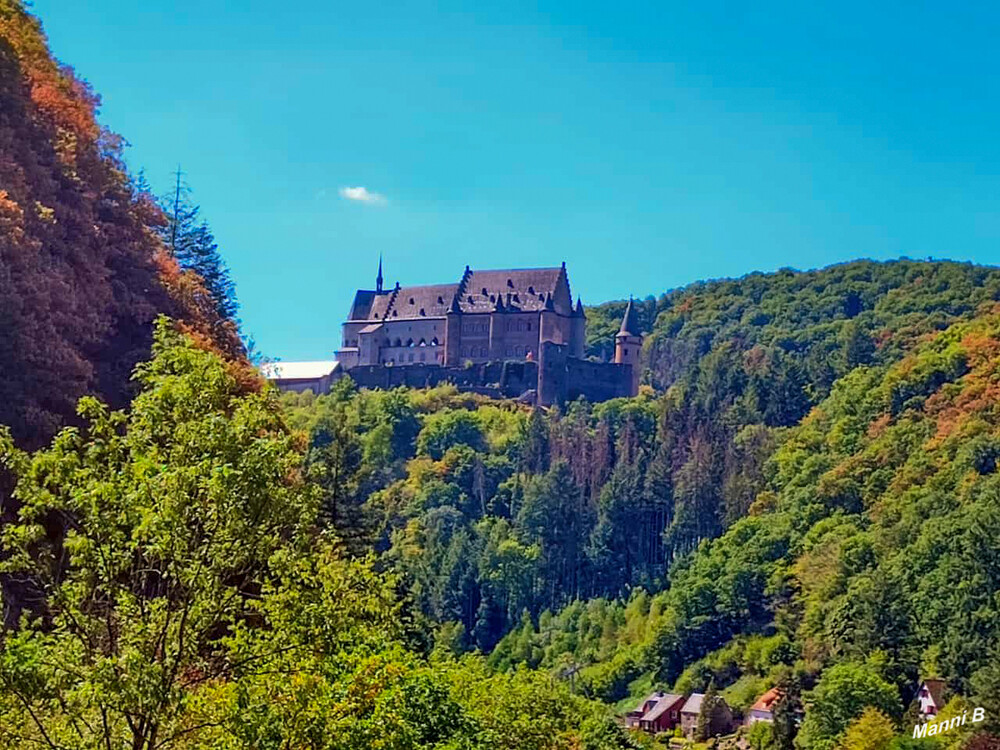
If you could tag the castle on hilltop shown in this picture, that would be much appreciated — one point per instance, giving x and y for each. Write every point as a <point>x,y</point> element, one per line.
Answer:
<point>506,333</point>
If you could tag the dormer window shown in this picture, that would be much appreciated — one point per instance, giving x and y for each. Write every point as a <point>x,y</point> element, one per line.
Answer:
<point>422,311</point>
<point>531,290</point>
<point>516,298</point>
<point>493,298</point>
<point>510,283</point>
<point>485,293</point>
<point>411,301</point>
<point>440,300</point>
<point>541,297</point>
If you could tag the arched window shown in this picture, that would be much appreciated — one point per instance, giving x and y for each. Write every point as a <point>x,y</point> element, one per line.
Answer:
<point>423,342</point>
<point>440,300</point>
<point>434,341</point>
<point>510,283</point>
<point>409,342</point>
<point>398,342</point>
<point>485,293</point>
<point>531,290</point>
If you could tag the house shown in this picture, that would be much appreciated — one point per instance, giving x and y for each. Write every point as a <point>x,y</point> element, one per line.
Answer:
<point>664,715</point>
<point>930,696</point>
<point>721,722</point>
<point>302,376</point>
<point>633,716</point>
<point>763,709</point>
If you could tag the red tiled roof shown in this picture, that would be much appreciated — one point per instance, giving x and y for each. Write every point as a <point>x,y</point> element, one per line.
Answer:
<point>767,700</point>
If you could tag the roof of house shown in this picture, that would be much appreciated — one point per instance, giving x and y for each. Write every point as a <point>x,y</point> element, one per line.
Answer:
<point>298,370</point>
<point>767,700</point>
<point>936,688</point>
<point>370,328</point>
<point>693,704</point>
<point>665,702</point>
<point>640,709</point>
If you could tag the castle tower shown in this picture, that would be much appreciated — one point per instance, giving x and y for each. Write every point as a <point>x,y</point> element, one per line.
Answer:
<point>578,331</point>
<point>628,345</point>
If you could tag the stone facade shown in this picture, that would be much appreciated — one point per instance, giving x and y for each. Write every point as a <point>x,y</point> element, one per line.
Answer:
<point>485,316</point>
<point>472,332</point>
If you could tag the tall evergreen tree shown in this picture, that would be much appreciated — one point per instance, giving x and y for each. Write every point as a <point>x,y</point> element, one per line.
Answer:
<point>192,243</point>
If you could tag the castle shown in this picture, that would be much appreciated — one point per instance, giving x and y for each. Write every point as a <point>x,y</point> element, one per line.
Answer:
<point>506,333</point>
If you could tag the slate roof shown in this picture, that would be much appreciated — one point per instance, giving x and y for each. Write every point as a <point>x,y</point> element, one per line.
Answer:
<point>693,704</point>
<point>409,301</point>
<point>936,688</point>
<point>661,706</point>
<point>298,370</point>
<point>522,289</point>
<point>362,305</point>
<point>630,322</point>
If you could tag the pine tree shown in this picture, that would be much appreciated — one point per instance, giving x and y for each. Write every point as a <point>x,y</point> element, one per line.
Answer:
<point>708,714</point>
<point>191,242</point>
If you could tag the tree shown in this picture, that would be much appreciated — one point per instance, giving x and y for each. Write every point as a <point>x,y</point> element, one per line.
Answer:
<point>873,730</point>
<point>841,696</point>
<point>710,714</point>
<point>191,242</point>
<point>171,512</point>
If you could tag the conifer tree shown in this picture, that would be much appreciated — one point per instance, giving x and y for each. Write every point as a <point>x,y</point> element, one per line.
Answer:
<point>191,242</point>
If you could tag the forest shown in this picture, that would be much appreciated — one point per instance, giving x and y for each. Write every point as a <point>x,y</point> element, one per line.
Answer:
<point>803,496</point>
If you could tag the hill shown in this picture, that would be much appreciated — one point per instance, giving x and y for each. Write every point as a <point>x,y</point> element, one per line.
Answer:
<point>82,272</point>
<point>868,557</point>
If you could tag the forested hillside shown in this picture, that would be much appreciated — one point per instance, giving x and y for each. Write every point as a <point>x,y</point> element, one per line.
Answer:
<point>495,513</point>
<point>82,271</point>
<point>870,558</point>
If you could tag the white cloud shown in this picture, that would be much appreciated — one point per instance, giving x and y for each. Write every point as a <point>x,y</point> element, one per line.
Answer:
<point>362,195</point>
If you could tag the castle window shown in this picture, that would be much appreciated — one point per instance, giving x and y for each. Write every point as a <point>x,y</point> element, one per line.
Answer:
<point>483,352</point>
<point>423,357</point>
<point>510,283</point>
<point>423,342</point>
<point>531,290</point>
<point>411,301</point>
<point>434,341</point>
<point>485,293</point>
<point>409,342</point>
<point>493,298</point>
<point>541,297</point>
<point>411,357</point>
<point>470,299</point>
<point>529,325</point>
<point>516,298</point>
<point>398,342</point>
<point>422,311</point>
<point>395,313</point>
<point>440,300</point>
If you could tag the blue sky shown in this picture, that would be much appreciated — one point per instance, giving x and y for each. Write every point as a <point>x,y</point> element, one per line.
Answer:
<point>646,144</point>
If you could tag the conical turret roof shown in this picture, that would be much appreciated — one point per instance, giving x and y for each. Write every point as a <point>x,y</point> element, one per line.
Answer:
<point>630,321</point>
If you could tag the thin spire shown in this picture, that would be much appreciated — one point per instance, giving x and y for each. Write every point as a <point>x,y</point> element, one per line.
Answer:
<point>378,279</point>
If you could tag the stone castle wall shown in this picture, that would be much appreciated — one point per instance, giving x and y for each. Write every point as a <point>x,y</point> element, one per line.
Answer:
<point>554,379</point>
